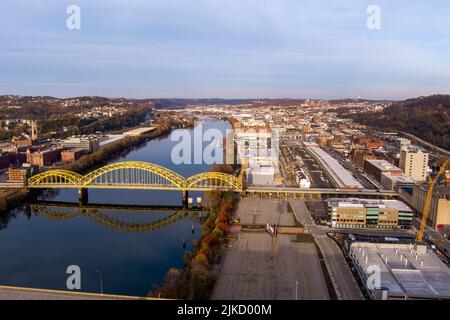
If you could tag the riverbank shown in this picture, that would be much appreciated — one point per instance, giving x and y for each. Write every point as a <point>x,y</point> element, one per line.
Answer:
<point>196,281</point>
<point>12,198</point>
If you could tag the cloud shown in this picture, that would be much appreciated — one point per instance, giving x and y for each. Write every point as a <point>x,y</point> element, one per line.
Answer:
<point>210,48</point>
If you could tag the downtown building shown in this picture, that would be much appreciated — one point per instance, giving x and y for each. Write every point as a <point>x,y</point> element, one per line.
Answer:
<point>414,164</point>
<point>257,150</point>
<point>369,213</point>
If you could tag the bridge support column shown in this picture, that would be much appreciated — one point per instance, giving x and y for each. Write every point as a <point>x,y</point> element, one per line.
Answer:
<point>82,195</point>
<point>184,198</point>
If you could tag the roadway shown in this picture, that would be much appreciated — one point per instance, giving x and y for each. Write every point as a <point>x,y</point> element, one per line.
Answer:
<point>332,192</point>
<point>341,275</point>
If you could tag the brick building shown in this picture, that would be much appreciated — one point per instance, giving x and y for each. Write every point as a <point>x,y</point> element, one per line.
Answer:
<point>68,156</point>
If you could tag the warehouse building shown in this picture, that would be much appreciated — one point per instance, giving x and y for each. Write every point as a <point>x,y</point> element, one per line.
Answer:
<point>88,143</point>
<point>400,271</point>
<point>43,158</point>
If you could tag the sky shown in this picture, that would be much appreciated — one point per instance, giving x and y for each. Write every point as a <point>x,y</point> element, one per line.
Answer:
<point>225,49</point>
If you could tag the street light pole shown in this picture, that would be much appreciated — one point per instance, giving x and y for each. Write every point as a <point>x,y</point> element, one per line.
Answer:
<point>296,290</point>
<point>101,280</point>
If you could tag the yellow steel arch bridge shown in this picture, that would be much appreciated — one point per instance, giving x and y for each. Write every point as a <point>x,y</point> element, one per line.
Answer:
<point>135,175</point>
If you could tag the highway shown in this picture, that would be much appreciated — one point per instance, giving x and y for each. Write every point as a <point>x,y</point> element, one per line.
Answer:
<point>341,275</point>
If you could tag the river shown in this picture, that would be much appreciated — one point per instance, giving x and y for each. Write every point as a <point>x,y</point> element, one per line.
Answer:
<point>36,249</point>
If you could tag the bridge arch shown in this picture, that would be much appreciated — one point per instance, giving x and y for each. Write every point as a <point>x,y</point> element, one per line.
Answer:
<point>134,173</point>
<point>55,178</point>
<point>218,180</point>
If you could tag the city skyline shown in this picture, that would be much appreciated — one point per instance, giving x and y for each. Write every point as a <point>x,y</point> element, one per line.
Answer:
<point>225,49</point>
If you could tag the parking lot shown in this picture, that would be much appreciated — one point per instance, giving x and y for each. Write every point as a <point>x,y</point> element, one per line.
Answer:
<point>249,271</point>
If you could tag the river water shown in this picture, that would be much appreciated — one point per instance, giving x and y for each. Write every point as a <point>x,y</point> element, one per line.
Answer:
<point>37,248</point>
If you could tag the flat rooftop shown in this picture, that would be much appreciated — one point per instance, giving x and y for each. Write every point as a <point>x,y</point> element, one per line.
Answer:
<point>398,179</point>
<point>405,269</point>
<point>340,175</point>
<point>363,203</point>
<point>383,165</point>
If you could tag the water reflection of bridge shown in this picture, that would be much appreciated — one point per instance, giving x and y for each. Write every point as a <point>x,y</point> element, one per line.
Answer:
<point>101,214</point>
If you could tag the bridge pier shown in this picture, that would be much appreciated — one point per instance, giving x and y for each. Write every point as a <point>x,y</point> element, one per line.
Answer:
<point>83,196</point>
<point>184,198</point>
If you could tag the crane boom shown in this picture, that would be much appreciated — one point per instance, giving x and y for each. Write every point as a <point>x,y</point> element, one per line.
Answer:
<point>428,198</point>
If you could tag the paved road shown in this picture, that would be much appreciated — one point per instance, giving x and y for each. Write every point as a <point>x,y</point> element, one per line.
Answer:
<point>249,271</point>
<point>342,277</point>
<point>17,293</point>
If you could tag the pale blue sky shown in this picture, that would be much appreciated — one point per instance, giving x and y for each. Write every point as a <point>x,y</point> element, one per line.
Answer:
<point>225,48</point>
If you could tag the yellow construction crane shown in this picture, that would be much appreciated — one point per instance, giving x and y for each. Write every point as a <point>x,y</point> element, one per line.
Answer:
<point>429,197</point>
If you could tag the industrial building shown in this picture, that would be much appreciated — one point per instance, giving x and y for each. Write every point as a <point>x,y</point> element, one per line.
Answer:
<point>341,176</point>
<point>72,155</point>
<point>369,213</point>
<point>43,158</point>
<point>88,143</point>
<point>406,271</point>
<point>19,174</point>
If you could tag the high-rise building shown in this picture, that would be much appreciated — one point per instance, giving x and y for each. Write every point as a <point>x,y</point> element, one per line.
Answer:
<point>414,164</point>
